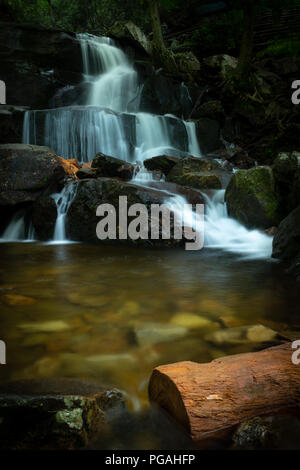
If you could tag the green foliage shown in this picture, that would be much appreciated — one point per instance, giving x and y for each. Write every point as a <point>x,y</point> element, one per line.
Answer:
<point>284,47</point>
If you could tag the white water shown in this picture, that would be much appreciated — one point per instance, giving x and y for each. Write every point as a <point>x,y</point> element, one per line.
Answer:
<point>63,202</point>
<point>17,231</point>
<point>114,82</point>
<point>228,234</point>
<point>111,121</point>
<point>220,231</point>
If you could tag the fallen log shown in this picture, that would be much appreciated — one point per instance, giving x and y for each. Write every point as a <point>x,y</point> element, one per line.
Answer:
<point>210,400</point>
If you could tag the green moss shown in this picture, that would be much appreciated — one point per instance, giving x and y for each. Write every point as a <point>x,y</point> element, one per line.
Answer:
<point>71,418</point>
<point>252,197</point>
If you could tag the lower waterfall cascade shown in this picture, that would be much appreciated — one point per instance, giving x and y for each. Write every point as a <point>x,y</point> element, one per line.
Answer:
<point>63,201</point>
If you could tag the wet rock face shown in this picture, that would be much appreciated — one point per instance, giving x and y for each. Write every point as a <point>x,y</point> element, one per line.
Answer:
<point>208,134</point>
<point>27,57</point>
<point>286,243</point>
<point>286,169</point>
<point>164,95</point>
<point>163,163</point>
<point>11,123</point>
<point>54,413</point>
<point>43,216</point>
<point>112,167</point>
<point>26,171</point>
<point>197,173</point>
<point>252,198</point>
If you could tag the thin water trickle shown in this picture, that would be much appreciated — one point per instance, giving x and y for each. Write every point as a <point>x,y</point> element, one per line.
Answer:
<point>63,202</point>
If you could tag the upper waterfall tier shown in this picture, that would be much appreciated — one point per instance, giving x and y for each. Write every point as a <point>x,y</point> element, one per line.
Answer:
<point>113,80</point>
<point>111,120</point>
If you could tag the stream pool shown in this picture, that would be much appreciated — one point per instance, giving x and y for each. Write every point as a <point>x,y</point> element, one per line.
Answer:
<point>111,314</point>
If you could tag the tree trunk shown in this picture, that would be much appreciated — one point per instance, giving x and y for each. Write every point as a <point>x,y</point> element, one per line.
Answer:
<point>158,40</point>
<point>210,400</point>
<point>246,48</point>
<point>161,55</point>
<point>52,14</point>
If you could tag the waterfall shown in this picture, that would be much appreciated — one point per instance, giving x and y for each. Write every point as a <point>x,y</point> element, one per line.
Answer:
<point>113,80</point>
<point>18,229</point>
<point>220,231</point>
<point>111,121</point>
<point>63,202</point>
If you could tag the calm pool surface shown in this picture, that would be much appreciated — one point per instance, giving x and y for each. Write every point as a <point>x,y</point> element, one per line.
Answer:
<point>111,314</point>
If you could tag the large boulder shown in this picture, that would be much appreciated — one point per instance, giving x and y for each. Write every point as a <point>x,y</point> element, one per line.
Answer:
<point>26,172</point>
<point>82,221</point>
<point>112,167</point>
<point>286,169</point>
<point>54,414</point>
<point>286,243</point>
<point>197,173</point>
<point>252,198</point>
<point>163,163</point>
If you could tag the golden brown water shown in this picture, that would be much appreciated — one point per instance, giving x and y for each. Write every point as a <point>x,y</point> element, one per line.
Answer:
<point>112,314</point>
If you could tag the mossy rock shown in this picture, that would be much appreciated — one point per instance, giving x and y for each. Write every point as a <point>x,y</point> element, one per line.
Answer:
<point>54,414</point>
<point>163,163</point>
<point>196,173</point>
<point>252,198</point>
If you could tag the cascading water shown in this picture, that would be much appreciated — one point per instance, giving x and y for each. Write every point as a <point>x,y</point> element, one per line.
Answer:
<point>220,231</point>
<point>63,202</point>
<point>229,235</point>
<point>111,121</point>
<point>18,230</point>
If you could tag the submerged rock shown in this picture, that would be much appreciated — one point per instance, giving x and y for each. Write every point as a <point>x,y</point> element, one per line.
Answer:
<point>54,413</point>
<point>26,171</point>
<point>148,334</point>
<point>252,198</point>
<point>15,299</point>
<point>243,335</point>
<point>191,321</point>
<point>46,326</point>
<point>197,173</point>
<point>272,432</point>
